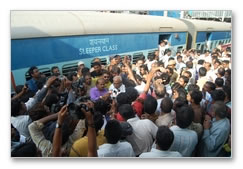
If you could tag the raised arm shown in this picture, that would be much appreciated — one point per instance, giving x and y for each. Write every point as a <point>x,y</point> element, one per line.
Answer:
<point>57,139</point>
<point>149,79</point>
<point>130,73</point>
<point>20,94</point>
<point>92,145</point>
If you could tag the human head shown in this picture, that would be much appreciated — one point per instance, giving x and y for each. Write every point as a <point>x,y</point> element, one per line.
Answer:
<point>113,131</point>
<point>117,82</point>
<point>37,112</point>
<point>100,84</point>
<point>34,72</point>
<point>139,62</point>
<point>166,105</point>
<point>219,109</point>
<point>192,87</point>
<point>209,87</point>
<point>221,72</point>
<point>132,94</point>
<point>194,96</point>
<point>160,91</point>
<point>97,67</point>
<point>218,95</point>
<point>72,76</point>
<point>207,65</point>
<point>122,98</point>
<point>219,82</point>
<point>172,63</point>
<point>87,79</point>
<point>179,59</point>
<point>183,80</point>
<point>164,138</point>
<point>227,91</point>
<point>126,111</point>
<point>55,71</point>
<point>225,64</point>
<point>25,150</point>
<point>106,76</point>
<point>143,69</point>
<point>189,64</point>
<point>216,64</point>
<point>150,104</point>
<point>184,116</point>
<point>188,74</point>
<point>180,92</point>
<point>202,71</point>
<point>81,64</point>
<point>115,71</point>
<point>17,108</point>
<point>98,121</point>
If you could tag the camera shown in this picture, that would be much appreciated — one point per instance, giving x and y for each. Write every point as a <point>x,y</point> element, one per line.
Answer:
<point>62,101</point>
<point>75,108</point>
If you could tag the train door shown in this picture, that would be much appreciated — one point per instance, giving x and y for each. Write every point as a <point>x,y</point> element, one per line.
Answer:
<point>163,37</point>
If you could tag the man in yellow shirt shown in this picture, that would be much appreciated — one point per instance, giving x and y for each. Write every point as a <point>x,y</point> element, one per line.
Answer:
<point>80,146</point>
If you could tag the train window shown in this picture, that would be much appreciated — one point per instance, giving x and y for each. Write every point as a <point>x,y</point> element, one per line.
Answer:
<point>71,67</point>
<point>163,37</point>
<point>211,45</point>
<point>45,71</point>
<point>198,46</point>
<point>136,56</point>
<point>179,48</point>
<point>102,60</point>
<point>151,52</point>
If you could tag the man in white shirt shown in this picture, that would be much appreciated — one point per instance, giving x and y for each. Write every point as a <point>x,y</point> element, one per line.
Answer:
<point>117,86</point>
<point>113,147</point>
<point>185,140</point>
<point>164,139</point>
<point>144,131</point>
<point>164,44</point>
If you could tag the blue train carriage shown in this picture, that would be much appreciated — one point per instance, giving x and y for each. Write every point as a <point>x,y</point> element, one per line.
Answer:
<point>62,38</point>
<point>207,35</point>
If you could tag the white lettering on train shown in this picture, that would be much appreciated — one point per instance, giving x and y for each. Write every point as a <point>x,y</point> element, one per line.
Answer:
<point>98,45</point>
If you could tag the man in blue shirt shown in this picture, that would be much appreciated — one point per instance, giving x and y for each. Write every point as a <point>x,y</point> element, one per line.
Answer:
<point>216,131</point>
<point>33,82</point>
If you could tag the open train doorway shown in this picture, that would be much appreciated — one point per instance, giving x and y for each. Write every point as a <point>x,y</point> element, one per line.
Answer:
<point>164,37</point>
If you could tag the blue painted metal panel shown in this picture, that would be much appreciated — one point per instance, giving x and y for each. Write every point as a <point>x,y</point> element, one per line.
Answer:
<point>174,14</point>
<point>220,35</point>
<point>42,51</point>
<point>201,37</point>
<point>156,13</point>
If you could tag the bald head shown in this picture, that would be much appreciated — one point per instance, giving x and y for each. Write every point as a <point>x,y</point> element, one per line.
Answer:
<point>160,90</point>
<point>117,81</point>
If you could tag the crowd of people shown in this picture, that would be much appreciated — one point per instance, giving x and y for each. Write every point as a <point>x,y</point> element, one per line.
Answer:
<point>161,106</point>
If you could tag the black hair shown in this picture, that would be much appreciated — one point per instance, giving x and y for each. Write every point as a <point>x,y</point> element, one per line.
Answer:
<point>98,121</point>
<point>132,94</point>
<point>192,87</point>
<point>171,58</point>
<point>96,64</point>
<point>182,92</point>
<point>202,71</point>
<point>70,75</point>
<point>225,61</point>
<point>229,55</point>
<point>189,64</point>
<point>54,67</point>
<point>188,72</point>
<point>227,91</point>
<point>184,116</point>
<point>179,57</point>
<point>179,102</point>
<point>150,104</point>
<point>185,79</point>
<point>37,112</point>
<point>115,69</point>
<point>25,150</point>
<point>218,95</point>
<point>175,86</point>
<point>219,82</point>
<point>31,70</point>
<point>200,62</point>
<point>165,77</point>
<point>85,70</point>
<point>51,99</point>
<point>122,98</point>
<point>103,106</point>
<point>164,138</point>
<point>217,61</point>
<point>15,107</point>
<point>196,95</point>
<point>166,105</point>
<point>126,111</point>
<point>151,56</point>
<point>113,131</point>
<point>221,71</point>
<point>211,85</point>
<point>144,67</point>
<point>220,110</point>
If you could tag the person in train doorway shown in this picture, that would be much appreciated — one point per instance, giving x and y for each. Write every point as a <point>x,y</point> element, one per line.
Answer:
<point>164,44</point>
<point>35,82</point>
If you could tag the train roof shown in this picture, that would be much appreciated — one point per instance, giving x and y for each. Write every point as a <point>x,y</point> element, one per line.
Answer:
<point>201,25</point>
<point>34,24</point>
